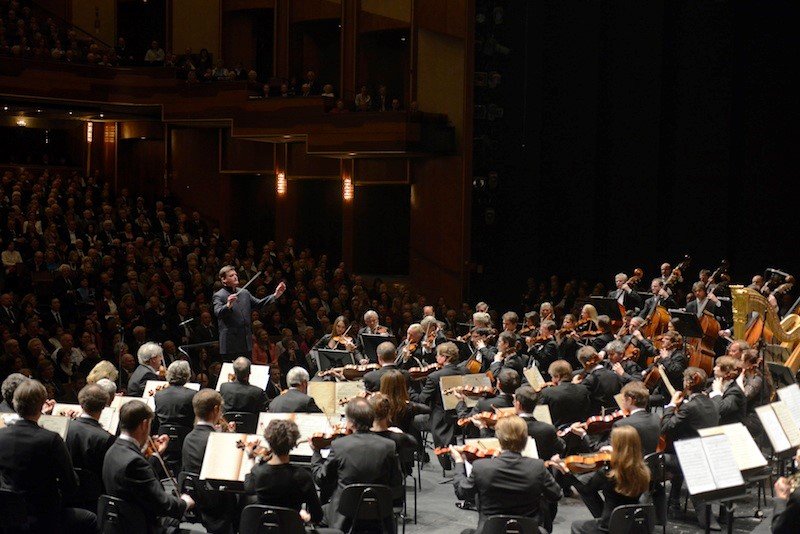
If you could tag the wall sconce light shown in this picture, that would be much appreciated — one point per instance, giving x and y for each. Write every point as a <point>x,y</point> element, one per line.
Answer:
<point>280,184</point>
<point>347,189</point>
<point>89,127</point>
<point>21,122</point>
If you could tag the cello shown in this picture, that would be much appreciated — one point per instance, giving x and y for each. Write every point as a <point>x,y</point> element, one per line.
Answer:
<point>658,319</point>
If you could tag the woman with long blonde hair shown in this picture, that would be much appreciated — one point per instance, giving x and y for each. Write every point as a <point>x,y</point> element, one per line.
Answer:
<point>622,482</point>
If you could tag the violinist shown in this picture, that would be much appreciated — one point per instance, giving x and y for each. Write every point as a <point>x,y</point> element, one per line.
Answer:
<point>589,319</point>
<point>606,335</point>
<point>386,357</point>
<point>483,352</point>
<point>728,397</point>
<point>507,383</point>
<point>150,358</point>
<point>546,312</point>
<point>544,434</point>
<point>601,383</point>
<point>405,444</point>
<point>240,395</point>
<point>442,423</point>
<point>432,337</point>
<point>174,403</point>
<point>673,359</point>
<point>340,338</point>
<point>531,324</point>
<point>296,398</point>
<point>402,410</point>
<point>622,482</point>
<point>757,391</point>
<point>627,369</point>
<point>509,483</point>
<point>786,512</point>
<point>372,325</point>
<point>567,339</point>
<point>624,293</point>
<point>543,351</point>
<point>506,356</point>
<point>689,410</point>
<point>216,508</point>
<point>568,402</point>
<point>409,352</point>
<point>661,297</point>
<point>510,321</point>
<point>277,482</point>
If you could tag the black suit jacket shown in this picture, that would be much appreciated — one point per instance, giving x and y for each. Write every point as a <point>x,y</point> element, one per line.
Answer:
<point>648,425</point>
<point>786,514</point>
<point>130,477</point>
<point>668,303</point>
<point>372,380</point>
<point>87,443</point>
<point>731,405</point>
<point>293,401</point>
<point>36,462</point>
<point>695,413</point>
<point>543,354</point>
<point>630,301</point>
<point>567,402</point>
<point>508,484</point>
<point>235,330</point>
<point>602,385</point>
<point>360,458</point>
<point>547,441</point>
<point>238,397</point>
<point>174,406</point>
<point>138,380</point>
<point>194,448</point>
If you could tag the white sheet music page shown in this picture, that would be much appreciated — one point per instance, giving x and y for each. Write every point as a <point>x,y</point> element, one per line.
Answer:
<point>694,465</point>
<point>772,427</point>
<point>719,453</point>
<point>787,422</point>
<point>790,395</point>
<point>746,454</point>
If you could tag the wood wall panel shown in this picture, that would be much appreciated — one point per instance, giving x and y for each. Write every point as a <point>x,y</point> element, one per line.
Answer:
<point>83,16</point>
<point>196,25</point>
<point>140,166</point>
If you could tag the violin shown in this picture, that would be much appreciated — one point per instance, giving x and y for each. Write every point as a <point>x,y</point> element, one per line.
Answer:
<point>583,463</point>
<point>261,452</point>
<point>469,452</point>
<point>341,339</point>
<point>362,395</point>
<point>597,424</point>
<point>222,425</point>
<point>488,419</point>
<point>322,440</point>
<point>471,391</point>
<point>156,389</point>
<point>162,371</point>
<point>231,377</point>
<point>350,371</point>
<point>150,450</point>
<point>590,364</point>
<point>418,373</point>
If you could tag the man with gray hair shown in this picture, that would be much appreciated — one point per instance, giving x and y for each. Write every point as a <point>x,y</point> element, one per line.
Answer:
<point>295,399</point>
<point>240,395</point>
<point>109,387</point>
<point>150,357</point>
<point>232,308</point>
<point>9,386</point>
<point>174,403</point>
<point>87,441</point>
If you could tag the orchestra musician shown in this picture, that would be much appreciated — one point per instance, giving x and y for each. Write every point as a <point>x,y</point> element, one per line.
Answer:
<point>371,327</point>
<point>672,357</point>
<point>442,423</point>
<point>568,402</point>
<point>506,356</point>
<point>601,382</point>
<point>433,335</point>
<point>543,354</point>
<point>402,410</point>
<point>507,383</point>
<point>232,307</point>
<point>174,403</point>
<point>606,336</point>
<point>728,397</point>
<point>623,482</point>
<point>296,398</point>
<point>35,462</point>
<point>150,358</point>
<point>547,441</point>
<point>625,294</point>
<point>509,483</point>
<point>386,359</point>
<point>217,509</point>
<point>704,301</point>
<point>786,510</point>
<point>661,297</point>
<point>339,339</point>
<point>483,352</point>
<point>546,312</point>
<point>277,482</point>
<point>241,396</point>
<point>682,418</point>
<point>627,370</point>
<point>358,458</point>
<point>589,319</point>
<point>409,352</point>
<point>127,475</point>
<point>405,444</point>
<point>737,348</point>
<point>757,390</point>
<point>567,339</point>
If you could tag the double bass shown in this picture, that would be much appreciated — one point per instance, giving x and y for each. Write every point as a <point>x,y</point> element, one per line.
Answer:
<point>658,319</point>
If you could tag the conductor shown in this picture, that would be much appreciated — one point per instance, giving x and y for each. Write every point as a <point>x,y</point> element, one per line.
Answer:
<point>232,307</point>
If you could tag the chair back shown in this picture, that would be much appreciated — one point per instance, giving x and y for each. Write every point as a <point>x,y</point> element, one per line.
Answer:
<point>633,519</point>
<point>366,503</point>
<point>176,433</point>
<point>261,519</point>
<point>116,516</point>
<point>658,467</point>
<point>90,485</point>
<point>246,422</point>
<point>510,524</point>
<point>13,510</point>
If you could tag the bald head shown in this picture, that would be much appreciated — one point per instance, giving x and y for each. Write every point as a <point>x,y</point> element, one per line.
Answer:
<point>386,352</point>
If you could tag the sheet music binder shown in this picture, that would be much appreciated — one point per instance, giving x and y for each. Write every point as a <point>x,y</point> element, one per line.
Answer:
<point>370,343</point>
<point>707,467</point>
<point>327,358</point>
<point>606,306</point>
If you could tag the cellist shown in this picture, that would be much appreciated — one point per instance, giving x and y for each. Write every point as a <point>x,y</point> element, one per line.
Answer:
<point>661,297</point>
<point>704,301</point>
<point>673,359</point>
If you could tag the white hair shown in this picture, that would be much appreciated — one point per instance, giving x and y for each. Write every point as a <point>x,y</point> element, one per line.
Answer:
<point>108,386</point>
<point>179,372</point>
<point>296,376</point>
<point>370,313</point>
<point>148,351</point>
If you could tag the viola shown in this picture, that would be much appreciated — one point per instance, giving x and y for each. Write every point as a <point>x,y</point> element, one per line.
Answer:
<point>231,377</point>
<point>350,371</point>
<point>322,440</point>
<point>257,451</point>
<point>586,463</point>
<point>156,389</point>
<point>471,391</point>
<point>362,395</point>
<point>488,419</point>
<point>418,373</point>
<point>469,452</point>
<point>597,424</point>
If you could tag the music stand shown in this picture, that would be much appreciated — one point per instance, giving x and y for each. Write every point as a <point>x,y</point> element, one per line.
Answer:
<point>370,343</point>
<point>607,306</point>
<point>775,353</point>
<point>464,352</point>
<point>327,358</point>
<point>686,323</point>
<point>781,375</point>
<point>462,328</point>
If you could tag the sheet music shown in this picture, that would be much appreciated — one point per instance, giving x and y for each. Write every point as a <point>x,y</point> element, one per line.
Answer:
<point>746,454</point>
<point>55,423</point>
<point>772,427</point>
<point>719,452</point>
<point>448,382</point>
<point>790,395</point>
<point>106,417</point>
<point>534,377</point>
<point>786,420</point>
<point>324,394</point>
<point>222,461</point>
<point>347,390</point>
<point>475,380</point>
<point>259,375</point>
<point>542,413</point>
<point>307,423</point>
<point>694,465</point>
<point>618,399</point>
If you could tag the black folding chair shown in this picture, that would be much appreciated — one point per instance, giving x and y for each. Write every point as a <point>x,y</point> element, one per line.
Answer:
<point>658,493</point>
<point>368,503</point>
<point>13,512</point>
<point>115,516</point>
<point>510,524</point>
<point>246,422</point>
<point>633,519</point>
<point>173,454</point>
<point>261,519</point>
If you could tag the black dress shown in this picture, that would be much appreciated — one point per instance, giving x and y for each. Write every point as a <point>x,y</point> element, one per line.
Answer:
<point>284,485</point>
<point>601,482</point>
